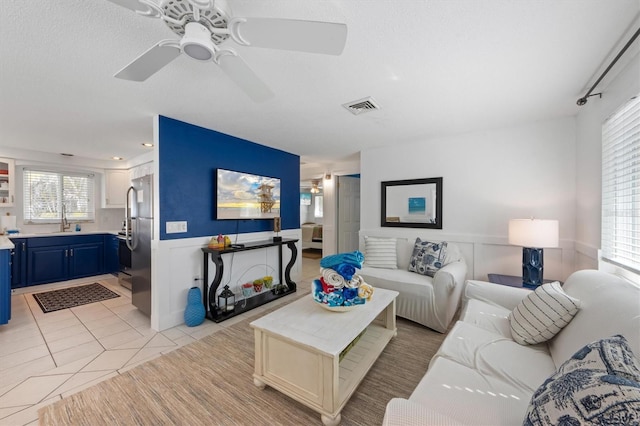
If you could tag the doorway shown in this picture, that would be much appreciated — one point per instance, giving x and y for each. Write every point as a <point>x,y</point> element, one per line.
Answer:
<point>348,191</point>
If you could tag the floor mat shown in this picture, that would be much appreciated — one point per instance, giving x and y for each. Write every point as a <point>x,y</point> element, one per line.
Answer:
<point>70,297</point>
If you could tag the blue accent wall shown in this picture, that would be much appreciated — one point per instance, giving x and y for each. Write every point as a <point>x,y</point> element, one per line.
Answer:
<point>188,158</point>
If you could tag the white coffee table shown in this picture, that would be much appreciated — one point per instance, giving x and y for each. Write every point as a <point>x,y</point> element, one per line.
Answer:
<point>298,350</point>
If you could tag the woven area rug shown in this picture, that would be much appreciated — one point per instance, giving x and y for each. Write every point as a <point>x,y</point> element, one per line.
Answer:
<point>71,297</point>
<point>209,382</point>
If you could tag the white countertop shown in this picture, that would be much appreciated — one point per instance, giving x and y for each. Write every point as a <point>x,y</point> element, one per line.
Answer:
<point>5,243</point>
<point>56,234</point>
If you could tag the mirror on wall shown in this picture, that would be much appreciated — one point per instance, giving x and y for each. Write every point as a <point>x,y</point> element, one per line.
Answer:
<point>412,203</point>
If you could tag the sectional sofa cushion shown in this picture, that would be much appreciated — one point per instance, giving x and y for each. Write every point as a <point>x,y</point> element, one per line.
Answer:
<point>427,257</point>
<point>599,385</point>
<point>542,314</point>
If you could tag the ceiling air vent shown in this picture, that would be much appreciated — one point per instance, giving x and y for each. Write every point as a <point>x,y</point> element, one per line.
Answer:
<point>362,105</point>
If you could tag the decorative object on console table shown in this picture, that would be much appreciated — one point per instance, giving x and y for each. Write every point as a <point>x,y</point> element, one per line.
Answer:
<point>194,313</point>
<point>226,300</point>
<point>277,227</point>
<point>284,285</point>
<point>533,235</point>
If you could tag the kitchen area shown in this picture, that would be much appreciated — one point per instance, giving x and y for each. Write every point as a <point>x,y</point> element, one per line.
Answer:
<point>64,249</point>
<point>46,356</point>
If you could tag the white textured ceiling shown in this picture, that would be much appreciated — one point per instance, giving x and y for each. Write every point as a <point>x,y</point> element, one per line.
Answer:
<point>435,67</point>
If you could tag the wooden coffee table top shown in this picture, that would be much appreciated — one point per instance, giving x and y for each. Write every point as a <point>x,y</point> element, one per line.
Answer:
<point>306,322</point>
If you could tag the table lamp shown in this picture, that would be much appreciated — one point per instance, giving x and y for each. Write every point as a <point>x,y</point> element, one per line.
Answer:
<point>533,235</point>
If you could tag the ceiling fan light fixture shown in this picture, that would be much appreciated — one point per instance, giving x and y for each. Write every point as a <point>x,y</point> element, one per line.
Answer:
<point>197,43</point>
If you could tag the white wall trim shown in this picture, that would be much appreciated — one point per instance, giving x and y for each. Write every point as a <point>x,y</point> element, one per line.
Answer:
<point>486,254</point>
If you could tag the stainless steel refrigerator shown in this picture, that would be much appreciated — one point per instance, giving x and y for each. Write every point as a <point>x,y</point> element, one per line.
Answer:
<point>140,217</point>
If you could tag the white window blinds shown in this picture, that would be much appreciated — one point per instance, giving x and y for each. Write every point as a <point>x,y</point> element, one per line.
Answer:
<point>45,192</point>
<point>621,186</point>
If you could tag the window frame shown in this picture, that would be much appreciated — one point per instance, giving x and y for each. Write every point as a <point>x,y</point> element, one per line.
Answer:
<point>620,202</point>
<point>86,198</point>
<point>318,208</point>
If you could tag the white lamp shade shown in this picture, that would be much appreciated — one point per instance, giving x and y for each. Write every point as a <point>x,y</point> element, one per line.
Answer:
<point>533,233</point>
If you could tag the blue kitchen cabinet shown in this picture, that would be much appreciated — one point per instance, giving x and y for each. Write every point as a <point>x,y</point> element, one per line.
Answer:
<point>111,259</point>
<point>19,262</point>
<point>5,286</point>
<point>86,260</point>
<point>52,259</point>
<point>47,264</point>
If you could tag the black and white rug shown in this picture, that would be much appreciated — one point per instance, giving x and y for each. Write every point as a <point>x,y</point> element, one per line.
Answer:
<point>71,297</point>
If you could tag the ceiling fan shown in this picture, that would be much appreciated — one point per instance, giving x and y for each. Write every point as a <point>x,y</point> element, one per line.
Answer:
<point>204,25</point>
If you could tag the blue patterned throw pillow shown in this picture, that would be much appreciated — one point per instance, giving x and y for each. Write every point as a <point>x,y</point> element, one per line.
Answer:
<point>599,385</point>
<point>427,258</point>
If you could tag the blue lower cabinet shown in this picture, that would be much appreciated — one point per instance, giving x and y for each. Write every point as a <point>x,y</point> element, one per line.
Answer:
<point>86,260</point>
<point>47,264</point>
<point>19,262</point>
<point>111,259</point>
<point>5,286</point>
<point>52,259</point>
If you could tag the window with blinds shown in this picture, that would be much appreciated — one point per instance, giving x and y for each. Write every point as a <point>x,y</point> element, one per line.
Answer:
<point>621,187</point>
<point>45,193</point>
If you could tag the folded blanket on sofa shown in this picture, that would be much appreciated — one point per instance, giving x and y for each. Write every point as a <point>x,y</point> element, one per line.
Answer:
<point>354,258</point>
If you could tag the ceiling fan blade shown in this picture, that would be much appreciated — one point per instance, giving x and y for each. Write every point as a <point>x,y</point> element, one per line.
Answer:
<point>151,61</point>
<point>143,8</point>
<point>290,34</point>
<point>238,71</point>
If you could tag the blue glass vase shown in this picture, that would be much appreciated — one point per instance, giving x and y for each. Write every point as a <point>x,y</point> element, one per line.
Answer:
<point>194,313</point>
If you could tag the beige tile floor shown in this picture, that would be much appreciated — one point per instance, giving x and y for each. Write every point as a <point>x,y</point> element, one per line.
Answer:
<point>46,357</point>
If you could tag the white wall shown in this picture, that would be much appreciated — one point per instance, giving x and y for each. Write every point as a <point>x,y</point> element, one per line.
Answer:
<point>624,85</point>
<point>489,177</point>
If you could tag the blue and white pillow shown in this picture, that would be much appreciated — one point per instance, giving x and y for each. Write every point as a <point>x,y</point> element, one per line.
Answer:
<point>427,257</point>
<point>598,385</point>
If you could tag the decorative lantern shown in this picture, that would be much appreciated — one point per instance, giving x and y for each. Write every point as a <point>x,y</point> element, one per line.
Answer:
<point>226,300</point>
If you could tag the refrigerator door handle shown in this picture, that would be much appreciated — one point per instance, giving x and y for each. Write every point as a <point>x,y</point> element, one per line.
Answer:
<point>131,238</point>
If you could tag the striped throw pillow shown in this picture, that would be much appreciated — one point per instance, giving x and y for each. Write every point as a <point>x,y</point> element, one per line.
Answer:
<point>380,252</point>
<point>542,314</point>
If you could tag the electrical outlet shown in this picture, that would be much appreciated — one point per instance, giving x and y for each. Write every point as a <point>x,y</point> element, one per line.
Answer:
<point>176,227</point>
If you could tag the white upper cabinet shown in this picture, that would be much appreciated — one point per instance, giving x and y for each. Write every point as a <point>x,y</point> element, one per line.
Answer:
<point>114,188</point>
<point>7,182</point>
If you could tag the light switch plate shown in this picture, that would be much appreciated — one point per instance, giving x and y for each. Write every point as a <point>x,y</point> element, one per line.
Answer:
<point>176,227</point>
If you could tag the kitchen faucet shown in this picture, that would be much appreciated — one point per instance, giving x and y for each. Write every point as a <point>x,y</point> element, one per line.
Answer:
<point>64,223</point>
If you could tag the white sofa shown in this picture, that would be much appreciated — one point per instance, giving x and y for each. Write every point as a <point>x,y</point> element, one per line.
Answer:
<point>480,376</point>
<point>429,301</point>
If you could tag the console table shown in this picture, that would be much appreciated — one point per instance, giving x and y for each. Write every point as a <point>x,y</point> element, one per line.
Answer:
<point>209,291</point>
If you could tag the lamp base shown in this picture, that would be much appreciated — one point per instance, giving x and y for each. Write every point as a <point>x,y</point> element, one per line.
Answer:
<point>276,239</point>
<point>532,266</point>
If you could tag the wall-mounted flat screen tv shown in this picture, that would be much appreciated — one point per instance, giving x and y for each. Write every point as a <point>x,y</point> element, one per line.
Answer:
<point>246,196</point>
